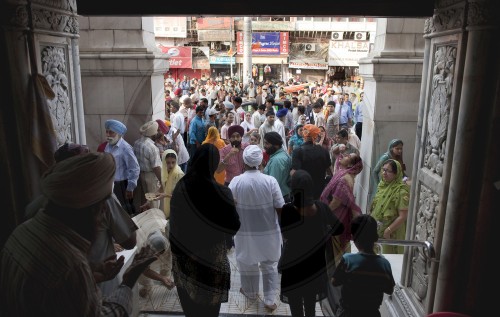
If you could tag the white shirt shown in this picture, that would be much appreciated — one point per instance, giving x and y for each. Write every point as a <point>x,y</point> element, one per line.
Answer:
<point>259,237</point>
<point>182,153</point>
<point>178,121</point>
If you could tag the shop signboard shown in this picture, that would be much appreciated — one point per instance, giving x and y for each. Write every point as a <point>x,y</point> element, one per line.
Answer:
<point>170,27</point>
<point>265,43</point>
<point>347,53</point>
<point>180,56</point>
<point>222,60</point>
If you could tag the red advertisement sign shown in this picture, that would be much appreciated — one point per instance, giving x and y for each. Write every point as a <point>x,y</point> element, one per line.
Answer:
<point>180,56</point>
<point>284,43</point>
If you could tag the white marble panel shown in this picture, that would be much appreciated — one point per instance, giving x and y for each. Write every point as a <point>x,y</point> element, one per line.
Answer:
<point>83,22</point>
<point>158,95</point>
<point>83,41</point>
<point>115,23</point>
<point>103,95</point>
<point>129,39</point>
<point>148,24</point>
<point>101,39</point>
<point>137,95</point>
<point>395,69</point>
<point>397,102</point>
<point>130,64</point>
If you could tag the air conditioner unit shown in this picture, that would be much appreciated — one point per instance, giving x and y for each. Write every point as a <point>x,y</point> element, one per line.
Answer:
<point>360,36</point>
<point>310,47</point>
<point>337,36</point>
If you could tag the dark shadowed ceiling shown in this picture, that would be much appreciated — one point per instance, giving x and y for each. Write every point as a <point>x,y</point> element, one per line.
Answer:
<point>368,8</point>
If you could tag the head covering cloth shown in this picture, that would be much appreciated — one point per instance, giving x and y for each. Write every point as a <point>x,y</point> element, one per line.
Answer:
<point>80,181</point>
<point>252,155</point>
<point>274,138</point>
<point>235,128</point>
<point>311,130</point>
<point>282,112</point>
<point>149,128</point>
<point>162,126</point>
<point>157,241</point>
<point>169,179</point>
<point>115,126</point>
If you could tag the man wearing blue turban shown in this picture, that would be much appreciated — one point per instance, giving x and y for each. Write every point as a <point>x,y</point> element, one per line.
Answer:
<point>127,166</point>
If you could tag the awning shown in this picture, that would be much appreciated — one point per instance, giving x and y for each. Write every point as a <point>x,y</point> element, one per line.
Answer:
<point>308,64</point>
<point>282,59</point>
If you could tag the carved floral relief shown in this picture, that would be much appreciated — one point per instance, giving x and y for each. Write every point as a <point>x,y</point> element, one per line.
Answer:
<point>55,70</point>
<point>439,108</point>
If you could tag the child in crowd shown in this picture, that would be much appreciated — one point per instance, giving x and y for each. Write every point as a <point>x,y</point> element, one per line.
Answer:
<point>364,276</point>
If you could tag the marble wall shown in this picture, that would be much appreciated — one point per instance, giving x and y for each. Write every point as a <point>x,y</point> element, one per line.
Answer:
<point>122,74</point>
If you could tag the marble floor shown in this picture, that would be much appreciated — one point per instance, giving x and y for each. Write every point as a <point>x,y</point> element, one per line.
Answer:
<point>164,302</point>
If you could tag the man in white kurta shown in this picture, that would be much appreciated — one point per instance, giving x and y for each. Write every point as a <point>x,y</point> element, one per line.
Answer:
<point>258,242</point>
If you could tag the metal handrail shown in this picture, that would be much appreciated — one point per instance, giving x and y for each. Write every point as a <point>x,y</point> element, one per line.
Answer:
<point>429,252</point>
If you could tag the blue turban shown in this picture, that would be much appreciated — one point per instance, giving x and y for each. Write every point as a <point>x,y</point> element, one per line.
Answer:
<point>282,112</point>
<point>115,126</point>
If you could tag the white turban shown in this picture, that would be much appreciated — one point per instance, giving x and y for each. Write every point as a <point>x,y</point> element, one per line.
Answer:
<point>157,241</point>
<point>149,128</point>
<point>252,155</point>
<point>80,181</point>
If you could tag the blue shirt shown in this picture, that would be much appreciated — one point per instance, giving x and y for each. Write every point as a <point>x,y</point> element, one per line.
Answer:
<point>345,114</point>
<point>196,130</point>
<point>127,166</point>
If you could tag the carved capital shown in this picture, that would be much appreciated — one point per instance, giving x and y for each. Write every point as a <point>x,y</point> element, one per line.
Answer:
<point>445,19</point>
<point>481,13</point>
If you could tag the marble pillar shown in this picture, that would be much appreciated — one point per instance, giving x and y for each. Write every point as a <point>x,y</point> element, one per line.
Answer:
<point>122,74</point>
<point>392,81</point>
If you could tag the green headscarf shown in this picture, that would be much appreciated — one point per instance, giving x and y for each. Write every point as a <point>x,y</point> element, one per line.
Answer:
<point>389,193</point>
<point>387,155</point>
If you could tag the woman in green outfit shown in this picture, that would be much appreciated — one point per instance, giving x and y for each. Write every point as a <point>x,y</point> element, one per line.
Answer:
<point>390,205</point>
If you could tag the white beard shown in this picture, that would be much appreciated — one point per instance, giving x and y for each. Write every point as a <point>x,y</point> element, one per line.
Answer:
<point>114,140</point>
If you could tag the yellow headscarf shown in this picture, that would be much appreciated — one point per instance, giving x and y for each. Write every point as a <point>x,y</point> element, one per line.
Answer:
<point>213,137</point>
<point>169,180</point>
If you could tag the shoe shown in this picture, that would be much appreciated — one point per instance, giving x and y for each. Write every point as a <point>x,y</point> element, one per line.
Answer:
<point>273,306</point>
<point>246,295</point>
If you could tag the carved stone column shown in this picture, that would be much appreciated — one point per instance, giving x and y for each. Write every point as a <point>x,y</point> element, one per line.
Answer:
<point>37,37</point>
<point>453,198</point>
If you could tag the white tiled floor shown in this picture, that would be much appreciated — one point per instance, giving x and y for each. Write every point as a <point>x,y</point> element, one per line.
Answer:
<point>164,302</point>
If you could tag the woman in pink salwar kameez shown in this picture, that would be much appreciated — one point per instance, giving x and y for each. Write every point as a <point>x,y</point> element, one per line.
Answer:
<point>338,195</point>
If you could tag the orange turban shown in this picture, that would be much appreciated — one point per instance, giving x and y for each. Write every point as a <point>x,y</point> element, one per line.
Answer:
<point>311,130</point>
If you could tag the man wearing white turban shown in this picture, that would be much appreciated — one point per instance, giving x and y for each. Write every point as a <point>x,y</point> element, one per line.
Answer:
<point>44,262</point>
<point>127,167</point>
<point>148,156</point>
<point>258,242</point>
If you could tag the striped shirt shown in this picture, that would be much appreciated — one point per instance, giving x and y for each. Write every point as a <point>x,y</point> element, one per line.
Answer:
<point>147,153</point>
<point>127,167</point>
<point>45,271</point>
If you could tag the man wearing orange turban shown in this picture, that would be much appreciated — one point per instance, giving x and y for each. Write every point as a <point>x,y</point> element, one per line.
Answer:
<point>312,158</point>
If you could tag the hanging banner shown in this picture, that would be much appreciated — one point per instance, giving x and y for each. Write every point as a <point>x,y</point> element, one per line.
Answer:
<point>265,43</point>
<point>180,56</point>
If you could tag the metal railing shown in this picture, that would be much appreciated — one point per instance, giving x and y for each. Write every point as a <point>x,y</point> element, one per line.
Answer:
<point>428,248</point>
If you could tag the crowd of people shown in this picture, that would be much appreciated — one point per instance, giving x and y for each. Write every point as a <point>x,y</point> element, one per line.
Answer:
<point>265,170</point>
